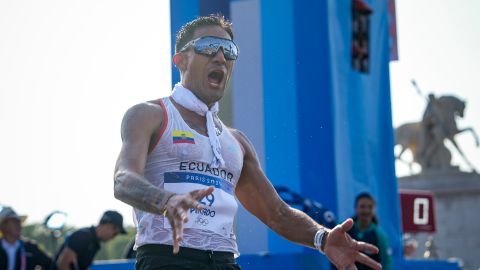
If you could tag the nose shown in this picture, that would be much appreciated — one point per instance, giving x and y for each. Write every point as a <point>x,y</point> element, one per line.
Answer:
<point>219,57</point>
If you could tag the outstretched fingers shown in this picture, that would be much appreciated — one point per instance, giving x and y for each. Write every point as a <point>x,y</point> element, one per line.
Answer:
<point>344,251</point>
<point>352,267</point>
<point>177,236</point>
<point>349,267</point>
<point>177,212</point>
<point>366,247</point>
<point>177,219</point>
<point>200,193</point>
<point>362,258</point>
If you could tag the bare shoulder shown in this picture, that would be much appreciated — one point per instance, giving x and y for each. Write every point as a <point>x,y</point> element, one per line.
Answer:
<point>147,115</point>
<point>145,109</point>
<point>240,136</point>
<point>244,142</point>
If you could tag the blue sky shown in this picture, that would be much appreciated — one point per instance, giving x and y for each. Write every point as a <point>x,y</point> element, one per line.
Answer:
<point>70,69</point>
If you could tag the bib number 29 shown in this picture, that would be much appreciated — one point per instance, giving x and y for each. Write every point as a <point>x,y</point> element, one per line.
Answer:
<point>207,200</point>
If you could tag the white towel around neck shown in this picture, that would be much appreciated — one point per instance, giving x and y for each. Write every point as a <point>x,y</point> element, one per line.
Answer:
<point>188,100</point>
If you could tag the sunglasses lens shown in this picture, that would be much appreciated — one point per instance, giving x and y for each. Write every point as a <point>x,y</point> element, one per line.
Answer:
<point>230,51</point>
<point>210,46</point>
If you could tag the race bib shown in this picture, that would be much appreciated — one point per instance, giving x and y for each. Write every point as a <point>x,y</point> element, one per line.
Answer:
<point>219,207</point>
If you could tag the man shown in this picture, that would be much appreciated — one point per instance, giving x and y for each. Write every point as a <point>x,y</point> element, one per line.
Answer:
<point>17,253</point>
<point>80,247</point>
<point>176,146</point>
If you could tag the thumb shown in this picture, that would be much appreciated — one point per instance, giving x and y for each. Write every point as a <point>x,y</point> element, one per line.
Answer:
<point>200,193</point>
<point>347,225</point>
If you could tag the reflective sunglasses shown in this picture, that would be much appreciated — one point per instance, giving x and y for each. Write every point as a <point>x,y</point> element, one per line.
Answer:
<point>209,46</point>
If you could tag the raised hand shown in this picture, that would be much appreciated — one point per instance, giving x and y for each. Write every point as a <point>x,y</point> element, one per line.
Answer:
<point>343,251</point>
<point>177,211</point>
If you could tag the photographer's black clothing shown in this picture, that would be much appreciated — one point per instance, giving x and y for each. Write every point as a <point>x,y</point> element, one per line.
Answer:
<point>85,244</point>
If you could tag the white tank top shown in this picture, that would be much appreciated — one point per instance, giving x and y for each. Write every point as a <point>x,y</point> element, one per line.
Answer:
<point>180,163</point>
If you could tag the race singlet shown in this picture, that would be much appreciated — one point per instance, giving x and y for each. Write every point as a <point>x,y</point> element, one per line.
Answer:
<point>219,209</point>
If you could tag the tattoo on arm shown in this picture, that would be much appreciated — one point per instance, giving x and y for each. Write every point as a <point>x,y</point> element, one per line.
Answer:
<point>136,191</point>
<point>130,186</point>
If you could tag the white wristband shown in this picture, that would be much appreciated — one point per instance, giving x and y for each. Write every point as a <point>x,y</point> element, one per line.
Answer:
<point>319,239</point>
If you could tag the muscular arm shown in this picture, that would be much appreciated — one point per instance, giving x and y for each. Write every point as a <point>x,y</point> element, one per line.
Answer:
<point>139,125</point>
<point>259,197</point>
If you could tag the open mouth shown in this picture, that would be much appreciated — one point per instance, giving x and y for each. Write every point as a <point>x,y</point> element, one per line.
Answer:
<point>215,77</point>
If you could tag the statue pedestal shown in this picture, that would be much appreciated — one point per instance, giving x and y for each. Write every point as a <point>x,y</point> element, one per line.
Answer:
<point>457,212</point>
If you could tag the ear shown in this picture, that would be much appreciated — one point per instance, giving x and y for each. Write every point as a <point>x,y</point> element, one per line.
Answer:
<point>179,60</point>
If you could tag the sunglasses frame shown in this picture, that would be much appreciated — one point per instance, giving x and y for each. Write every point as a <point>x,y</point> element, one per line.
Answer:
<point>228,56</point>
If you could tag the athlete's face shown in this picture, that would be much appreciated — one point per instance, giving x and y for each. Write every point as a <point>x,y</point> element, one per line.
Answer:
<point>206,76</point>
<point>365,210</point>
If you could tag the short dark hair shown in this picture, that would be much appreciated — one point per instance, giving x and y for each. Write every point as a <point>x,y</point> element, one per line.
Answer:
<point>362,196</point>
<point>185,34</point>
<point>365,195</point>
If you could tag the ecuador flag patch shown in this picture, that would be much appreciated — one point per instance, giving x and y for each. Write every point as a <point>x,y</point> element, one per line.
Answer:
<point>182,137</point>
